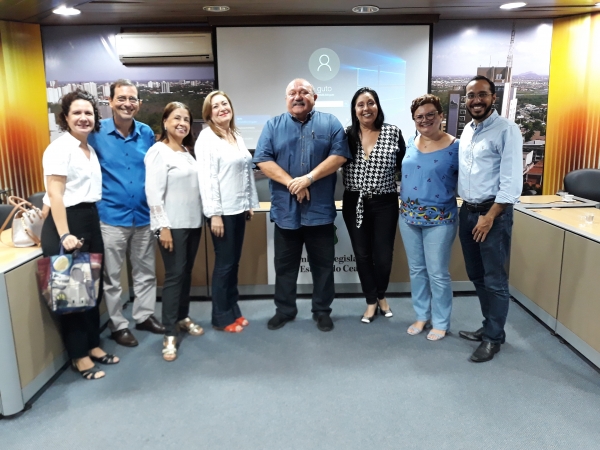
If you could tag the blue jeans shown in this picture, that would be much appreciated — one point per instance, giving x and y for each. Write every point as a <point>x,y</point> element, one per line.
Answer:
<point>485,263</point>
<point>228,250</point>
<point>428,252</point>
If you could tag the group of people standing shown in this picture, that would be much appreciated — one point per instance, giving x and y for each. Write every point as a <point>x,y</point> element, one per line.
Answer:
<point>113,189</point>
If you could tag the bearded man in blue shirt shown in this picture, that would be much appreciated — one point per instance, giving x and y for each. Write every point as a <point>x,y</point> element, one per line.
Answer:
<point>300,152</point>
<point>490,178</point>
<point>124,214</point>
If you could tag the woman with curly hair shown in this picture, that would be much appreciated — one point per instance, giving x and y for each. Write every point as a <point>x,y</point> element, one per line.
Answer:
<point>73,183</point>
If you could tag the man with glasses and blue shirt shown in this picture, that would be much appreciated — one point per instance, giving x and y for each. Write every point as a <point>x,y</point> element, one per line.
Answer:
<point>300,152</point>
<point>490,179</point>
<point>121,146</point>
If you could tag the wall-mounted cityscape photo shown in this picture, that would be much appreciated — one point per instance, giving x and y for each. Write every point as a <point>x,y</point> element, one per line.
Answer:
<point>86,58</point>
<point>153,94</point>
<point>513,54</point>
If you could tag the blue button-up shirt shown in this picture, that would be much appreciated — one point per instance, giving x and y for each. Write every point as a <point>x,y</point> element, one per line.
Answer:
<point>298,147</point>
<point>123,201</point>
<point>491,161</point>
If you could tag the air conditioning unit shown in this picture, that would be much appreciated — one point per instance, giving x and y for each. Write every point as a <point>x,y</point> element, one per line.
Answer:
<point>164,48</point>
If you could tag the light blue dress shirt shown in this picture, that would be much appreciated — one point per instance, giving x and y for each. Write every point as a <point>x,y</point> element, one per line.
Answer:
<point>298,147</point>
<point>121,159</point>
<point>491,161</point>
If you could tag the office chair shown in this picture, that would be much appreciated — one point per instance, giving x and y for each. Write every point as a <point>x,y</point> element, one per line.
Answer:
<point>584,183</point>
<point>262,188</point>
<point>338,195</point>
<point>36,199</point>
<point>5,211</point>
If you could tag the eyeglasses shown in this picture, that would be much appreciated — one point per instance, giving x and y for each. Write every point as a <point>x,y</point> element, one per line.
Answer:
<point>428,116</point>
<point>123,99</point>
<point>480,95</point>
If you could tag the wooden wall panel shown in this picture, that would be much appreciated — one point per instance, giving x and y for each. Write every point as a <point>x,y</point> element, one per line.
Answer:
<point>24,130</point>
<point>573,128</point>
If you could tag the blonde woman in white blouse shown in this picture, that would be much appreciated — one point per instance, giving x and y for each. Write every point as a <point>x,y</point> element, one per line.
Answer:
<point>176,217</point>
<point>228,197</point>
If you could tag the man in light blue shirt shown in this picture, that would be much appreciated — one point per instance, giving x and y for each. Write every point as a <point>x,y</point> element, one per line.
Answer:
<point>121,146</point>
<point>300,152</point>
<point>490,179</point>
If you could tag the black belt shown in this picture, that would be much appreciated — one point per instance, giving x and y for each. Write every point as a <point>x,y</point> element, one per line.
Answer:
<point>478,207</point>
<point>82,206</point>
<point>369,195</point>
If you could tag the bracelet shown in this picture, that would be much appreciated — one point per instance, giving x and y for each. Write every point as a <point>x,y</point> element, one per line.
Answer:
<point>64,236</point>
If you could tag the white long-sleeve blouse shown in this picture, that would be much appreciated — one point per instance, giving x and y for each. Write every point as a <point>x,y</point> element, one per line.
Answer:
<point>225,175</point>
<point>172,188</point>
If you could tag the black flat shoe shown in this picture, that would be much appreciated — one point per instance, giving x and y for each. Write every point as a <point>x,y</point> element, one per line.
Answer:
<point>472,335</point>
<point>324,322</point>
<point>106,359</point>
<point>485,352</point>
<point>278,321</point>
<point>88,374</point>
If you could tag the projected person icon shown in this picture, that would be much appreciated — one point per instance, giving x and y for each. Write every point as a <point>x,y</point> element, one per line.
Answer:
<point>324,62</point>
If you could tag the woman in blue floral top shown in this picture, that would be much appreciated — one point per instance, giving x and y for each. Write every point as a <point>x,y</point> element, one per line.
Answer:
<point>428,216</point>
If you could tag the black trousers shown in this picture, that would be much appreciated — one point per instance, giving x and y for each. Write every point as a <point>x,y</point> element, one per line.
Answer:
<point>373,242</point>
<point>319,241</point>
<point>80,331</point>
<point>178,276</point>
<point>228,250</point>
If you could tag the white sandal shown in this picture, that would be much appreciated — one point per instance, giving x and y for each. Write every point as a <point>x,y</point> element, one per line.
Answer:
<point>169,348</point>
<point>191,327</point>
<point>435,336</point>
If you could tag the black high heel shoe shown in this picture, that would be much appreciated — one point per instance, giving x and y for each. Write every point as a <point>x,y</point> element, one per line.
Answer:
<point>386,313</point>
<point>367,319</point>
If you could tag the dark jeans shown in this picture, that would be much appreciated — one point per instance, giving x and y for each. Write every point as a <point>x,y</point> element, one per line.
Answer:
<point>373,242</point>
<point>80,331</point>
<point>485,263</point>
<point>319,241</point>
<point>228,250</point>
<point>178,276</point>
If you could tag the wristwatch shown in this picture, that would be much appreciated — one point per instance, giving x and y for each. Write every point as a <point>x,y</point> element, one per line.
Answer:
<point>310,177</point>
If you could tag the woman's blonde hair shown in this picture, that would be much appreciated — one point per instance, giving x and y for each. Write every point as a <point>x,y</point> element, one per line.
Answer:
<point>207,114</point>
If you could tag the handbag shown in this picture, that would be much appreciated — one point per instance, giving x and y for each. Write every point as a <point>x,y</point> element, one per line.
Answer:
<point>69,282</point>
<point>27,222</point>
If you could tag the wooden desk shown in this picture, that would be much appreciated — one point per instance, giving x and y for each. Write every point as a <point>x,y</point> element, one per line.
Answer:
<point>554,272</point>
<point>254,263</point>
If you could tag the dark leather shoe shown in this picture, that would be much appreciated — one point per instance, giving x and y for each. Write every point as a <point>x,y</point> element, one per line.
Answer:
<point>124,337</point>
<point>324,322</point>
<point>152,325</point>
<point>472,335</point>
<point>485,352</point>
<point>278,321</point>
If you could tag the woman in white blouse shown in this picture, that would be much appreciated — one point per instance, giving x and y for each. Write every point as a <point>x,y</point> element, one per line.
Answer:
<point>228,196</point>
<point>176,217</point>
<point>73,183</point>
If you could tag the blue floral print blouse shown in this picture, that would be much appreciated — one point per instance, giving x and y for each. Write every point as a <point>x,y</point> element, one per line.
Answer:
<point>428,188</point>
